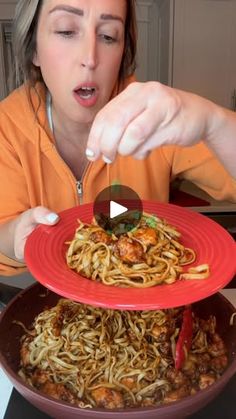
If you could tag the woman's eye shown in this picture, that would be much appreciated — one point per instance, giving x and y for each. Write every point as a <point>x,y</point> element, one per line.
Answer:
<point>65,34</point>
<point>107,38</point>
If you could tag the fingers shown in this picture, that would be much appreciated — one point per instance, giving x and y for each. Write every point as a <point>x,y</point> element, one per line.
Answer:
<point>132,123</point>
<point>136,137</point>
<point>27,223</point>
<point>104,135</point>
<point>42,215</point>
<point>126,138</point>
<point>110,125</point>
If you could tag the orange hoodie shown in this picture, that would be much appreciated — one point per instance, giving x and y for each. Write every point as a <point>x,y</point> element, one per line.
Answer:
<point>33,173</point>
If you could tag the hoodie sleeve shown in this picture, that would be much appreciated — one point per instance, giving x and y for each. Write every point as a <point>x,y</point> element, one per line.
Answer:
<point>13,191</point>
<point>200,166</point>
<point>13,198</point>
<point>9,267</point>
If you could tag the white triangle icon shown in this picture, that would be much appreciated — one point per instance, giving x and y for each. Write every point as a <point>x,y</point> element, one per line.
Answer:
<point>116,209</point>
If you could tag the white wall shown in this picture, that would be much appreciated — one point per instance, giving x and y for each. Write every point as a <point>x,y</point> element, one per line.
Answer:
<point>7,8</point>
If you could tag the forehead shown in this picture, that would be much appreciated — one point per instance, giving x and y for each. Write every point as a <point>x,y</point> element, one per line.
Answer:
<point>99,7</point>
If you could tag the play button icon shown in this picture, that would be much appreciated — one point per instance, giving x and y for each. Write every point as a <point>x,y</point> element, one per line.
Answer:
<point>117,209</point>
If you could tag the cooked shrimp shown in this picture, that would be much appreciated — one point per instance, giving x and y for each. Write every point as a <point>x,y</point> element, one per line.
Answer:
<point>146,235</point>
<point>39,377</point>
<point>176,377</point>
<point>59,392</point>
<point>219,363</point>
<point>107,397</point>
<point>100,236</point>
<point>206,380</point>
<point>201,362</point>
<point>189,368</point>
<point>217,347</point>
<point>160,333</point>
<point>129,382</point>
<point>129,251</point>
<point>178,394</point>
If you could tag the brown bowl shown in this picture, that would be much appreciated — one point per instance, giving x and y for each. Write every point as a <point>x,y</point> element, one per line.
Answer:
<point>28,303</point>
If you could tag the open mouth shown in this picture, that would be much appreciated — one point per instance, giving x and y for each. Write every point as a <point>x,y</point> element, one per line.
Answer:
<point>86,92</point>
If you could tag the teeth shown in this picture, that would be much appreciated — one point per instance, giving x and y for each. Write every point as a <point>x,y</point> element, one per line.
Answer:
<point>86,92</point>
<point>91,89</point>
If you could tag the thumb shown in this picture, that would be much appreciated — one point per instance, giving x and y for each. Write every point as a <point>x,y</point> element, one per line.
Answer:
<point>27,223</point>
<point>42,215</point>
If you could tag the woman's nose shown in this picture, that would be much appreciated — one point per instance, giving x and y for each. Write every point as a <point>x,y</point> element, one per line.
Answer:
<point>89,57</point>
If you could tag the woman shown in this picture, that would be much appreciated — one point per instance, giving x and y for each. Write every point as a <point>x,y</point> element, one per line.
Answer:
<point>78,103</point>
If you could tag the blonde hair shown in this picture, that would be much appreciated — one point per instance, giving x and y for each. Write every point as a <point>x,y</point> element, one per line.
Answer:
<point>24,42</point>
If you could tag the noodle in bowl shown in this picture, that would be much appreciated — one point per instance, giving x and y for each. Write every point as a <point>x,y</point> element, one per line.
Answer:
<point>35,299</point>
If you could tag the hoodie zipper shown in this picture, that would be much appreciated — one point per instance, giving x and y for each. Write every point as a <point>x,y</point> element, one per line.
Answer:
<point>79,187</point>
<point>79,183</point>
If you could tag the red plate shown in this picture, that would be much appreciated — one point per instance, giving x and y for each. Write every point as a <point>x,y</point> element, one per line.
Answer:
<point>45,256</point>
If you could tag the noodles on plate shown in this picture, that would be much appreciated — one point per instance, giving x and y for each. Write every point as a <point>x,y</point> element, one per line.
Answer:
<point>148,255</point>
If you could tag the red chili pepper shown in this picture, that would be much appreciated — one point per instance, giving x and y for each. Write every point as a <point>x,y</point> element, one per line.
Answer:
<point>185,337</point>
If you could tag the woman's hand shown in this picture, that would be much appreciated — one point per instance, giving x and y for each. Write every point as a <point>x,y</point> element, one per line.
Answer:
<point>145,116</point>
<point>14,233</point>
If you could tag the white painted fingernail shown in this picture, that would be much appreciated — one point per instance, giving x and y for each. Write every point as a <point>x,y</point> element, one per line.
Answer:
<point>52,217</point>
<point>89,153</point>
<point>106,160</point>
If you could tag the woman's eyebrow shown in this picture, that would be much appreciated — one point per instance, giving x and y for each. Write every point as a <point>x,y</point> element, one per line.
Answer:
<point>108,16</point>
<point>69,9</point>
<point>80,12</point>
